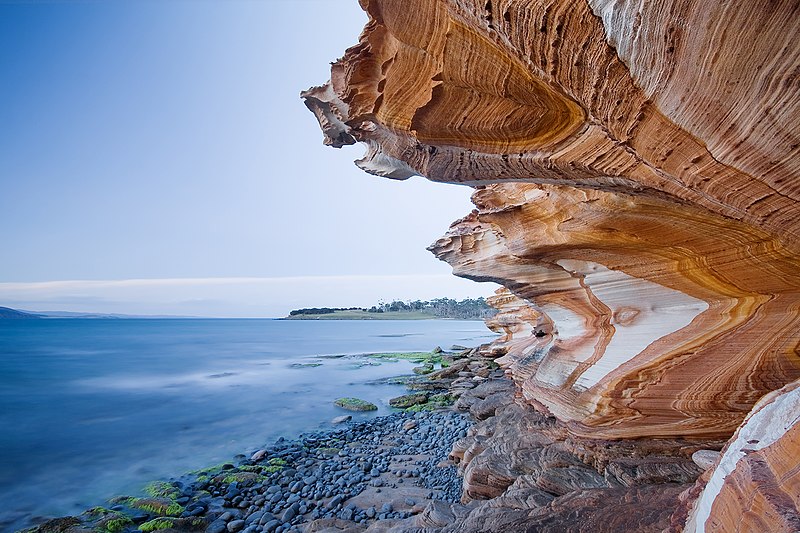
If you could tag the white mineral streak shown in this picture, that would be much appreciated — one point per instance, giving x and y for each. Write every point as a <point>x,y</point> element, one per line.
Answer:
<point>661,311</point>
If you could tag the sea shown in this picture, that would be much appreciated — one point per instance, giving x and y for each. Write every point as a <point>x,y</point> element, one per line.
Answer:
<point>94,408</point>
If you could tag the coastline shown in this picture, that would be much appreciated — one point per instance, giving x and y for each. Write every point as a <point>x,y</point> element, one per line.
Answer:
<point>142,400</point>
<point>384,469</point>
<point>365,315</point>
<point>486,463</point>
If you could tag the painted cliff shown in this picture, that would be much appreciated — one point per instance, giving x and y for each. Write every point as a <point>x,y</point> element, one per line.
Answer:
<point>637,175</point>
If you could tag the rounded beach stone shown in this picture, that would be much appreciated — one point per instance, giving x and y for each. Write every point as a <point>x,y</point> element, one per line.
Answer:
<point>235,525</point>
<point>217,526</point>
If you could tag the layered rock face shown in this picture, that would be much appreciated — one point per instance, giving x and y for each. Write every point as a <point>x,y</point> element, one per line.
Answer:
<point>641,182</point>
<point>637,171</point>
<point>641,318</point>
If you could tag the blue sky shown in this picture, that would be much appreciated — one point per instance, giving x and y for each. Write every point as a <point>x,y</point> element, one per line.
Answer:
<point>155,157</point>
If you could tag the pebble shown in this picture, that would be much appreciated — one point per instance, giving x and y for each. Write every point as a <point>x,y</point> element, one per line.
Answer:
<point>288,514</point>
<point>272,525</point>
<point>235,525</point>
<point>217,526</point>
<point>257,456</point>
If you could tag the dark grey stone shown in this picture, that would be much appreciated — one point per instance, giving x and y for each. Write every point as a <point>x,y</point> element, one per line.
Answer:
<point>217,526</point>
<point>235,525</point>
<point>288,514</point>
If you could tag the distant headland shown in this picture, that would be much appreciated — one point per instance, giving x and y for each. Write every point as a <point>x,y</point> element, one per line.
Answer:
<point>467,309</point>
<point>17,314</point>
<point>8,313</point>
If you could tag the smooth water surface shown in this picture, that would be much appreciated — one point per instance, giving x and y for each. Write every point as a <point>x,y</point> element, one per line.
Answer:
<point>92,408</point>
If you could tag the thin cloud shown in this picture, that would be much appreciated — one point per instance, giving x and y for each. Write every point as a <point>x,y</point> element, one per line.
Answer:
<point>160,282</point>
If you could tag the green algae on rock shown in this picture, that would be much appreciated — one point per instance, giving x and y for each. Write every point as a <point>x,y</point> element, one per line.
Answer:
<point>355,404</point>
<point>407,400</point>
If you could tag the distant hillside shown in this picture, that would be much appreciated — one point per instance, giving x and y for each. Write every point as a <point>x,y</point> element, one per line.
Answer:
<point>8,313</point>
<point>469,309</point>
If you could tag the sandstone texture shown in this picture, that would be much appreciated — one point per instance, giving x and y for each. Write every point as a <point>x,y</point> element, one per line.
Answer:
<point>636,168</point>
<point>755,485</point>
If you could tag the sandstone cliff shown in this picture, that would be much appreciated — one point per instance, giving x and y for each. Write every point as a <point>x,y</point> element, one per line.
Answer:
<point>637,168</point>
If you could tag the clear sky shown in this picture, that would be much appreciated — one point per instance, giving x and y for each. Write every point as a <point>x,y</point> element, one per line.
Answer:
<point>155,158</point>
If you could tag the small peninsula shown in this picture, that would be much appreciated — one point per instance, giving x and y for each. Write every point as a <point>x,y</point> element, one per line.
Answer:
<point>439,308</point>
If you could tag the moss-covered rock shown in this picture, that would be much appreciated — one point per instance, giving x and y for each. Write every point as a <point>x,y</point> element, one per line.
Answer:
<point>436,401</point>
<point>114,523</point>
<point>414,357</point>
<point>442,399</point>
<point>179,524</point>
<point>355,404</point>
<point>155,506</point>
<point>162,489</point>
<point>424,369</point>
<point>156,525</point>
<point>407,400</point>
<point>246,479</point>
<point>64,524</point>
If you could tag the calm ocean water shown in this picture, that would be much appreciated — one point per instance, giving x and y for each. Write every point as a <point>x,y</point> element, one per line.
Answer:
<point>94,408</point>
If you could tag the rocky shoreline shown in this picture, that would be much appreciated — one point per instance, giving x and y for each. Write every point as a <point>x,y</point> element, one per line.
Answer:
<point>358,474</point>
<point>487,463</point>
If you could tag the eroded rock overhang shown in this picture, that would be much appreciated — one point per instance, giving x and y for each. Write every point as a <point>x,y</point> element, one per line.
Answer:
<point>636,167</point>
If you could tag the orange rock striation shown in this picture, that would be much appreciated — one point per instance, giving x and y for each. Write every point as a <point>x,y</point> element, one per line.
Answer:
<point>637,167</point>
<point>632,316</point>
<point>755,484</point>
<point>656,231</point>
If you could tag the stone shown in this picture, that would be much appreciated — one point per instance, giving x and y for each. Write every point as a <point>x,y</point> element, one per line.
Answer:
<point>217,526</point>
<point>705,459</point>
<point>341,419</point>
<point>272,525</point>
<point>288,514</point>
<point>257,456</point>
<point>355,404</point>
<point>757,471</point>
<point>235,525</point>
<point>409,424</point>
<point>408,400</point>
